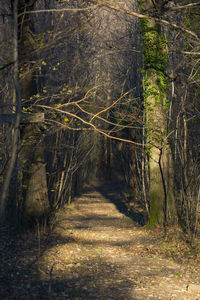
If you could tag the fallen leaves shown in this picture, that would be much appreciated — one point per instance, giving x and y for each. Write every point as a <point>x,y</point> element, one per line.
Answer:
<point>92,254</point>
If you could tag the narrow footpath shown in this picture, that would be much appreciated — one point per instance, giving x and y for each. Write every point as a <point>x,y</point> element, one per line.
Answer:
<point>97,253</point>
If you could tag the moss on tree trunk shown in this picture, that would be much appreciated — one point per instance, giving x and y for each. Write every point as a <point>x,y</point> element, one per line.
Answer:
<point>155,108</point>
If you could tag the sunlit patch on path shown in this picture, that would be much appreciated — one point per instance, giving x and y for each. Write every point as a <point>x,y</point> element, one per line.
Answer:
<point>108,257</point>
<point>96,253</point>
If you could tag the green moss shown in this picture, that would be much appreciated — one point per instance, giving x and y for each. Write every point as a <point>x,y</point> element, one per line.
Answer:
<point>156,211</point>
<point>155,61</point>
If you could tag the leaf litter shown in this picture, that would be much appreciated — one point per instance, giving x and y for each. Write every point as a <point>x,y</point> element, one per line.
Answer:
<point>96,253</point>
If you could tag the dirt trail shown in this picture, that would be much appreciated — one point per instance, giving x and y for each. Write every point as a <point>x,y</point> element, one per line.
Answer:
<point>97,253</point>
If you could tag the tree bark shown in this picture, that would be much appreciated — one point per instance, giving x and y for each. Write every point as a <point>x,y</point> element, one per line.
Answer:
<point>16,129</point>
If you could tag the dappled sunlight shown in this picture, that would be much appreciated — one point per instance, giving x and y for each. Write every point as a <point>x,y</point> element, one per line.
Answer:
<point>96,252</point>
<point>99,253</point>
<point>88,278</point>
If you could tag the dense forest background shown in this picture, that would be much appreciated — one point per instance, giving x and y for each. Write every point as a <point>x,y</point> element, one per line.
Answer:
<point>100,90</point>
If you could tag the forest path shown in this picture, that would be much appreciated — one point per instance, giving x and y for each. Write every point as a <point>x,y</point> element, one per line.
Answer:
<point>109,257</point>
<point>97,253</point>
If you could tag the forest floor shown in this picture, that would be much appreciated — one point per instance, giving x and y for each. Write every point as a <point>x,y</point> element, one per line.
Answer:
<point>96,252</point>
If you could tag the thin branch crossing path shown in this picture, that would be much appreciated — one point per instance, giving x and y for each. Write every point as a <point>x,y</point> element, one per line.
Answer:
<point>96,252</point>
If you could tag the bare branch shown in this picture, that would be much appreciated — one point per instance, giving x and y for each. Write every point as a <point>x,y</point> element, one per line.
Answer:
<point>100,3</point>
<point>90,125</point>
<point>190,5</point>
<point>142,16</point>
<point>57,10</point>
<point>6,65</point>
<point>110,106</point>
<point>190,53</point>
<point>105,120</point>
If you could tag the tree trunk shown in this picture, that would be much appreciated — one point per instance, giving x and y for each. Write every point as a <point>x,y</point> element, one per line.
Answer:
<point>17,101</point>
<point>155,103</point>
<point>36,204</point>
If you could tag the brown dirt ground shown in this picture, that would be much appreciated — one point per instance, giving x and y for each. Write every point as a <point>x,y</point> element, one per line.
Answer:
<point>97,253</point>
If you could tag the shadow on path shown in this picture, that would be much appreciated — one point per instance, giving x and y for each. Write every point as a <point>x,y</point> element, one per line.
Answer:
<point>113,191</point>
<point>90,255</point>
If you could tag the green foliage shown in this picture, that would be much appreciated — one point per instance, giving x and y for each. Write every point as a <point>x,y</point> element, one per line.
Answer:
<point>155,80</point>
<point>154,44</point>
<point>155,60</point>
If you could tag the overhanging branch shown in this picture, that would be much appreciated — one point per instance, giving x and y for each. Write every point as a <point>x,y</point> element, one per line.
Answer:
<point>143,16</point>
<point>57,10</point>
<point>6,65</point>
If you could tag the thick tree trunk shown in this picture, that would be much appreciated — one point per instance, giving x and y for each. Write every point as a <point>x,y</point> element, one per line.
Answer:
<point>17,102</point>
<point>34,185</point>
<point>160,161</point>
<point>36,204</point>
